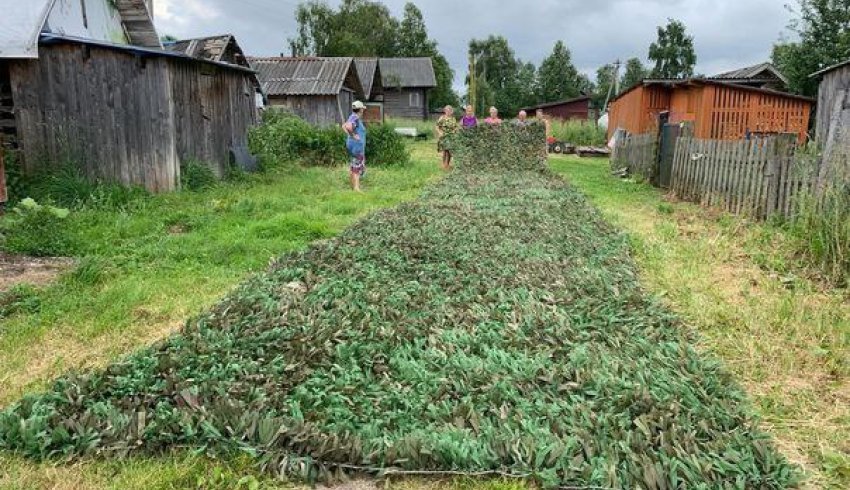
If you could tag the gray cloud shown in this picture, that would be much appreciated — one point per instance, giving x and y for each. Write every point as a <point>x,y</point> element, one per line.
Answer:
<point>728,33</point>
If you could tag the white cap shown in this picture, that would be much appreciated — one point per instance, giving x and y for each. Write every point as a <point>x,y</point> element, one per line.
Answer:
<point>357,105</point>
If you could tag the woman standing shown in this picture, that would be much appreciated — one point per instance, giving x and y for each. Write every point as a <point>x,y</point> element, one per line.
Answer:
<point>447,125</point>
<point>356,144</point>
<point>493,120</point>
<point>469,120</point>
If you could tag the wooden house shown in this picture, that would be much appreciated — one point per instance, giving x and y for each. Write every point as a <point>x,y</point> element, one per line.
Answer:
<point>90,85</point>
<point>319,90</point>
<point>577,109</point>
<point>406,83</point>
<point>717,109</point>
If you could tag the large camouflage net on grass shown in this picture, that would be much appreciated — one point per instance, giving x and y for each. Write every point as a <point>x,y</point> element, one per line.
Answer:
<point>500,148</point>
<point>494,325</point>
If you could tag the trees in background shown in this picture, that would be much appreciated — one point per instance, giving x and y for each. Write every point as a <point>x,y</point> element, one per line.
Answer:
<point>673,52</point>
<point>559,78</point>
<point>823,31</point>
<point>324,31</point>
<point>635,71</point>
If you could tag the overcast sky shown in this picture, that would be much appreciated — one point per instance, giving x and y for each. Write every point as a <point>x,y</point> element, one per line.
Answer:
<point>728,34</point>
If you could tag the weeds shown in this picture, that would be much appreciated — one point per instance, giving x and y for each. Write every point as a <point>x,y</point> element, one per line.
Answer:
<point>579,133</point>
<point>37,230</point>
<point>197,176</point>
<point>20,299</point>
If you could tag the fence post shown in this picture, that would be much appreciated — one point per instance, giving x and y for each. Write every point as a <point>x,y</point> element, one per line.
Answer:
<point>782,151</point>
<point>3,194</point>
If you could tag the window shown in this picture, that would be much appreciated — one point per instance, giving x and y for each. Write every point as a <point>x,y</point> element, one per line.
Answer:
<point>415,99</point>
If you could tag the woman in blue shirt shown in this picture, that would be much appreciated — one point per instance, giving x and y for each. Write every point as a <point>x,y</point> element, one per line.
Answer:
<point>356,143</point>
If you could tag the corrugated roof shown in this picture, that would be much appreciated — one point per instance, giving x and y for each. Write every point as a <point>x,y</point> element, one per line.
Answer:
<point>678,82</point>
<point>829,69</point>
<point>407,72</point>
<point>306,76</point>
<point>48,39</point>
<point>752,73</point>
<point>560,102</point>
<point>22,23</point>
<point>367,68</point>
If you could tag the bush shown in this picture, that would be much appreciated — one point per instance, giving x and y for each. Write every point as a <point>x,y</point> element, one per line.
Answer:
<point>37,230</point>
<point>579,133</point>
<point>197,176</point>
<point>385,147</point>
<point>284,138</point>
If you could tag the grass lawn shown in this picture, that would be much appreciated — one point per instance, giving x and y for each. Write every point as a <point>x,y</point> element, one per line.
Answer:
<point>785,336</point>
<point>150,267</point>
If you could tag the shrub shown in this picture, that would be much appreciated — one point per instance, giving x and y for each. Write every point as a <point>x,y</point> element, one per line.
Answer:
<point>37,230</point>
<point>284,138</point>
<point>385,147</point>
<point>579,133</point>
<point>197,176</point>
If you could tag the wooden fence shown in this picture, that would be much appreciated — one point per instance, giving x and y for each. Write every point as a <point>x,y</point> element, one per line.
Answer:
<point>638,154</point>
<point>756,178</point>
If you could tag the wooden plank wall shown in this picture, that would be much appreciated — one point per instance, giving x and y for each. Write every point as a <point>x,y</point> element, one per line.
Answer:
<point>639,154</point>
<point>397,104</point>
<point>756,178</point>
<point>319,110</point>
<point>832,87</point>
<point>213,110</point>
<point>733,112</point>
<point>106,111</point>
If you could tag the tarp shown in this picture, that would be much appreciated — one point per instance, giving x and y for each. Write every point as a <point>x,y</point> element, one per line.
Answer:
<point>20,25</point>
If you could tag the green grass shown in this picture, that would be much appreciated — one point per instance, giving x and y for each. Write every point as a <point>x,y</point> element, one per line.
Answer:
<point>783,332</point>
<point>496,323</point>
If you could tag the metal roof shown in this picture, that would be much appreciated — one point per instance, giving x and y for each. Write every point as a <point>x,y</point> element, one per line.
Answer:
<point>679,82</point>
<point>583,98</point>
<point>751,73</point>
<point>306,76</point>
<point>22,23</point>
<point>829,69</point>
<point>48,39</point>
<point>407,72</point>
<point>367,69</point>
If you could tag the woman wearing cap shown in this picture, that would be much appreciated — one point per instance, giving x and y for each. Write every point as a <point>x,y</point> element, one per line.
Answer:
<point>356,143</point>
<point>447,125</point>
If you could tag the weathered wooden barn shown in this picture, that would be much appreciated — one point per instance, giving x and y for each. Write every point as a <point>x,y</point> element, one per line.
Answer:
<point>122,109</point>
<point>833,102</point>
<point>717,109</point>
<point>319,90</point>
<point>406,83</point>
<point>577,109</point>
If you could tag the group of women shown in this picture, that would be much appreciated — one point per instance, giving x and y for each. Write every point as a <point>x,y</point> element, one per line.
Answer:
<point>447,124</point>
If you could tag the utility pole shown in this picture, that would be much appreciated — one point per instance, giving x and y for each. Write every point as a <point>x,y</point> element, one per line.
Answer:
<point>614,89</point>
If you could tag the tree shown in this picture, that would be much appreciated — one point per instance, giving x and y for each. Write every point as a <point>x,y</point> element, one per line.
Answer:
<point>634,74</point>
<point>414,42</point>
<point>823,29</point>
<point>323,31</point>
<point>673,52</point>
<point>558,77</point>
<point>502,79</point>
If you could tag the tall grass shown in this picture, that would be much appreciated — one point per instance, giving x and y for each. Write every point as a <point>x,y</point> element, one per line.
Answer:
<point>579,133</point>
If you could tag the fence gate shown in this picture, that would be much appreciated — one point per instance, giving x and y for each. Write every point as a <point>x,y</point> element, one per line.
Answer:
<point>667,153</point>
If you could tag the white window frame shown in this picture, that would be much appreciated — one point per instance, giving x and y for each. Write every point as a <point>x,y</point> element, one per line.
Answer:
<point>415,99</point>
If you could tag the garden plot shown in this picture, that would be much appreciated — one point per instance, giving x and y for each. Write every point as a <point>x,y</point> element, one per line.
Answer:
<point>495,324</point>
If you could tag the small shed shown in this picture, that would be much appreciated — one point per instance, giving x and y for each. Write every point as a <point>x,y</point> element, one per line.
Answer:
<point>406,83</point>
<point>319,90</point>
<point>718,110</point>
<point>373,89</point>
<point>833,101</point>
<point>110,100</point>
<point>577,109</point>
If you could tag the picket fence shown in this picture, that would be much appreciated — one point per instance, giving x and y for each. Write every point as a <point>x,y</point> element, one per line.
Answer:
<point>637,153</point>
<point>756,178</point>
